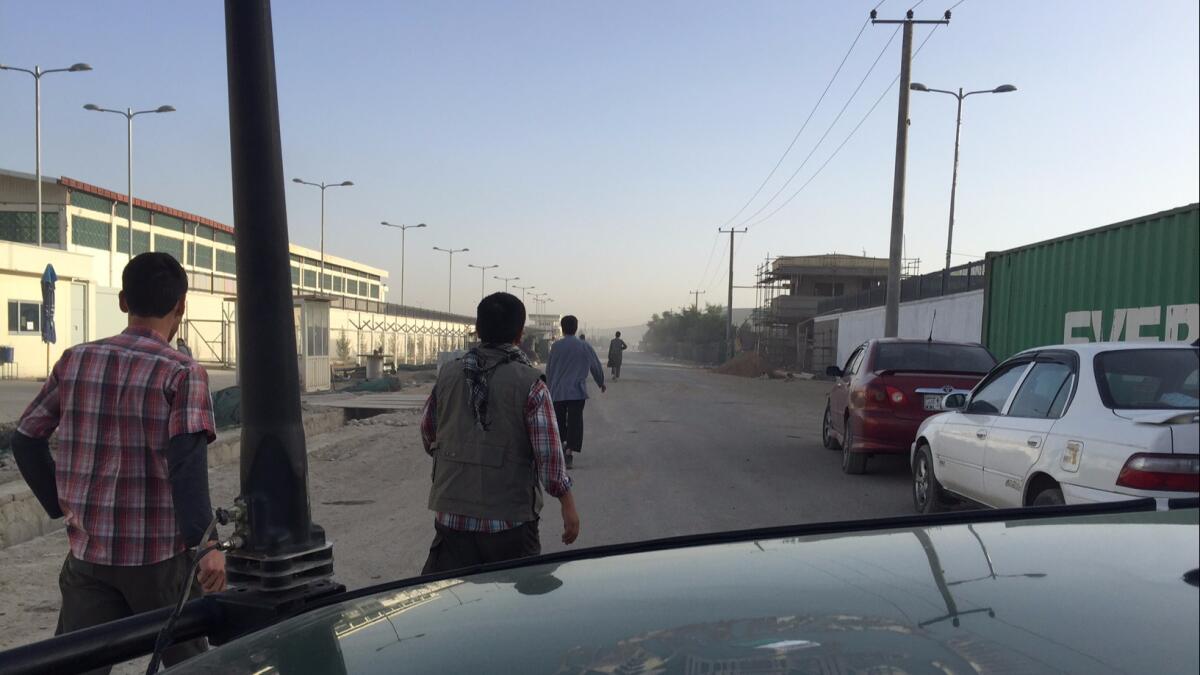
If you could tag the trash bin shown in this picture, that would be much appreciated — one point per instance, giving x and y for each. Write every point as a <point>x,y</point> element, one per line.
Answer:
<point>374,366</point>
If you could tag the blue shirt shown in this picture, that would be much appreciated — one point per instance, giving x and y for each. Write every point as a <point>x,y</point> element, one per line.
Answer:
<point>571,361</point>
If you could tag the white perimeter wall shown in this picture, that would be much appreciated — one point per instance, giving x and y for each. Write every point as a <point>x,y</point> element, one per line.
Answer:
<point>959,317</point>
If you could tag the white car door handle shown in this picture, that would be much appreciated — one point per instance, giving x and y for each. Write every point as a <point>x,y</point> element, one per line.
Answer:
<point>981,433</point>
<point>1033,441</point>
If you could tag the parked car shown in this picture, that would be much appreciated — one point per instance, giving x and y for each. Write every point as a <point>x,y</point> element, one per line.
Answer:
<point>1067,424</point>
<point>888,387</point>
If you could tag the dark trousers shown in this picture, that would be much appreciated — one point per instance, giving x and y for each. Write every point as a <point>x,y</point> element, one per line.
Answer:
<point>570,422</point>
<point>615,364</point>
<point>94,594</point>
<point>455,549</point>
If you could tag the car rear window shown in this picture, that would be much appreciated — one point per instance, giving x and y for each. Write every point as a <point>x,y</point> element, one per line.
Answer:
<point>1154,379</point>
<point>933,357</point>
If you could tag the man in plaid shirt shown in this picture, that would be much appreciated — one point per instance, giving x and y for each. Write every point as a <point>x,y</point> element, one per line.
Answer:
<point>130,475</point>
<point>489,426</point>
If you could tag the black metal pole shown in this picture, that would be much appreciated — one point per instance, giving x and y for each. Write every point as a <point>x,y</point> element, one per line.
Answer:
<point>274,465</point>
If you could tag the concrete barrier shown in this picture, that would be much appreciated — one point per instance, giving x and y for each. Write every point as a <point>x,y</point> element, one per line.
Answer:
<point>22,517</point>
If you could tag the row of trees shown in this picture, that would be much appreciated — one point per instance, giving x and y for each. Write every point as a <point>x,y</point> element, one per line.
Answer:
<point>687,333</point>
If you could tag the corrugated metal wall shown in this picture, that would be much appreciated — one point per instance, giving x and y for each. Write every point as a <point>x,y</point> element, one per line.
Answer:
<point>1135,280</point>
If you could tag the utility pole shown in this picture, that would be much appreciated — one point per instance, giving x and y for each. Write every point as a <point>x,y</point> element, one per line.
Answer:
<point>482,277</point>
<point>891,312</point>
<point>729,320</point>
<point>696,299</point>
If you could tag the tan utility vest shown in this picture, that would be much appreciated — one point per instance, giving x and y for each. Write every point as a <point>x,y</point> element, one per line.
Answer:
<point>485,474</point>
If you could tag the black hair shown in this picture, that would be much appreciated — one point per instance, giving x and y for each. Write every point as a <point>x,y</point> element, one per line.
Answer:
<point>618,333</point>
<point>500,318</point>
<point>153,284</point>
<point>569,324</point>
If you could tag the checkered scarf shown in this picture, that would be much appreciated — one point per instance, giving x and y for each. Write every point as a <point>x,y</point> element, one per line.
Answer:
<point>478,369</point>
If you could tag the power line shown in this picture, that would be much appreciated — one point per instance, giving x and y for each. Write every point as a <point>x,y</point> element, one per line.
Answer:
<point>848,136</point>
<point>704,274</point>
<point>803,126</point>
<point>827,131</point>
<point>956,5</point>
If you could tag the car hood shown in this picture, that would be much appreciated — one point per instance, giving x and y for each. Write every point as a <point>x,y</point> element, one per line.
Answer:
<point>1097,594</point>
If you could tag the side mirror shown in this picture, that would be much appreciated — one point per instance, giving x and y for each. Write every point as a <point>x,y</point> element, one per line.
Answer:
<point>833,371</point>
<point>954,401</point>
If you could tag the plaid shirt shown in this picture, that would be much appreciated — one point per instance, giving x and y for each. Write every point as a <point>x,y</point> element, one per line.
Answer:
<point>116,403</point>
<point>542,426</point>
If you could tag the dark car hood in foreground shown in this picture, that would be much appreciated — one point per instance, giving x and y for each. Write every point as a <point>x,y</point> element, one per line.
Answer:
<point>1094,594</point>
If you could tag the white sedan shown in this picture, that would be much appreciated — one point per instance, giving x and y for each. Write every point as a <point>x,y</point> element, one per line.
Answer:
<point>1067,424</point>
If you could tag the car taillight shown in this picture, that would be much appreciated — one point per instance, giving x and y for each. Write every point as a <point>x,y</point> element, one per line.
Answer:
<point>1171,473</point>
<point>876,396</point>
<point>895,396</point>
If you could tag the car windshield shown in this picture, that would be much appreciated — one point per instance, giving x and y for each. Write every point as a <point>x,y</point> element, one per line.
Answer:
<point>1149,379</point>
<point>933,357</point>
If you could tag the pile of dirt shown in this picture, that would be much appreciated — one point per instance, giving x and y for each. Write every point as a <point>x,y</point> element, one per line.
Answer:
<point>746,364</point>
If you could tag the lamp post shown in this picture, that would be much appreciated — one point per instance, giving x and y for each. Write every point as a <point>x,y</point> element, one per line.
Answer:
<point>506,280</point>
<point>129,114</point>
<point>450,285</point>
<point>482,282</point>
<point>323,186</point>
<point>403,229</point>
<point>917,86</point>
<point>523,289</point>
<point>37,74</point>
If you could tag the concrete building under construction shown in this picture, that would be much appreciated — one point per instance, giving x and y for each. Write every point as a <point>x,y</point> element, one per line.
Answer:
<point>789,289</point>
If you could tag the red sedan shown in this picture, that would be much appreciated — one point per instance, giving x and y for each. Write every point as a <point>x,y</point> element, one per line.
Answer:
<point>888,386</point>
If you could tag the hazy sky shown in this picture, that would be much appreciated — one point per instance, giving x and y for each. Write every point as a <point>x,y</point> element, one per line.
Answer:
<point>594,148</point>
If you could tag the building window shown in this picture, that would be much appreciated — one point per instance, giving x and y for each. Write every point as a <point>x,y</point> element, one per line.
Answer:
<point>141,240</point>
<point>310,278</point>
<point>24,316</point>
<point>170,246</point>
<point>375,291</point>
<point>91,233</point>
<point>204,232</point>
<point>351,287</point>
<point>295,275</point>
<point>200,255</point>
<point>226,262</point>
<point>223,237</point>
<point>139,214</point>
<point>91,203</point>
<point>18,226</point>
<point>339,284</point>
<point>326,282</point>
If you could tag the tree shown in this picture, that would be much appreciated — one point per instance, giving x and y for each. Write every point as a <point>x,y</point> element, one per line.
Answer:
<point>687,332</point>
<point>343,347</point>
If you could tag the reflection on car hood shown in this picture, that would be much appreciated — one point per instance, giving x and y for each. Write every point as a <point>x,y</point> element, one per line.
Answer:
<point>1095,594</point>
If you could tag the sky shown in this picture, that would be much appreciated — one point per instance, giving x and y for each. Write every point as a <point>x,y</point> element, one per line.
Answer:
<point>594,149</point>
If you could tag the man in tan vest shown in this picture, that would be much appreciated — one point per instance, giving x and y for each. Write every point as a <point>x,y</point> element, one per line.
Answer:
<point>490,427</point>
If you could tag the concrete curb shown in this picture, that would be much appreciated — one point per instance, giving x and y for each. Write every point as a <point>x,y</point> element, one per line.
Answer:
<point>22,517</point>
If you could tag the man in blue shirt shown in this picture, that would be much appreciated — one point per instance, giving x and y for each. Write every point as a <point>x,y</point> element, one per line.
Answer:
<point>571,361</point>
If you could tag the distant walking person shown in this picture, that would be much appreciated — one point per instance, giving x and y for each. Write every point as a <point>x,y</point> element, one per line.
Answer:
<point>490,427</point>
<point>130,475</point>
<point>616,349</point>
<point>183,348</point>
<point>571,361</point>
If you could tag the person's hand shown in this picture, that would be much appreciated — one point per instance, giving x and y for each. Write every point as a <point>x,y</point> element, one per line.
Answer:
<point>211,574</point>
<point>570,523</point>
<point>603,389</point>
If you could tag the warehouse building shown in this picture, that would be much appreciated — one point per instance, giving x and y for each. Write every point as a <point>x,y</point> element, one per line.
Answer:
<point>85,236</point>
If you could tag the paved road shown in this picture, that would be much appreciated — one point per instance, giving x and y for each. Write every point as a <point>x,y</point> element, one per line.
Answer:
<point>669,450</point>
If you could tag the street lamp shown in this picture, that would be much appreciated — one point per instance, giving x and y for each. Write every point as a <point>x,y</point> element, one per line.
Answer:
<point>323,186</point>
<point>917,86</point>
<point>523,289</point>
<point>37,74</point>
<point>482,271</point>
<point>506,280</point>
<point>403,229</point>
<point>129,114</point>
<point>450,286</point>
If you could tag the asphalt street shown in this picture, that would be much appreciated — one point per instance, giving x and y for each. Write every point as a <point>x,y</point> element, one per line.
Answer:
<point>669,450</point>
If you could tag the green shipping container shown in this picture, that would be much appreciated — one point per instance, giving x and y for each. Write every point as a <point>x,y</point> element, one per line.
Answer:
<point>1135,280</point>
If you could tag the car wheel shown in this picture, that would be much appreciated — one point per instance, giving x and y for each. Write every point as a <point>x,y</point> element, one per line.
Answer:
<point>827,438</point>
<point>927,491</point>
<point>853,463</point>
<point>1049,497</point>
